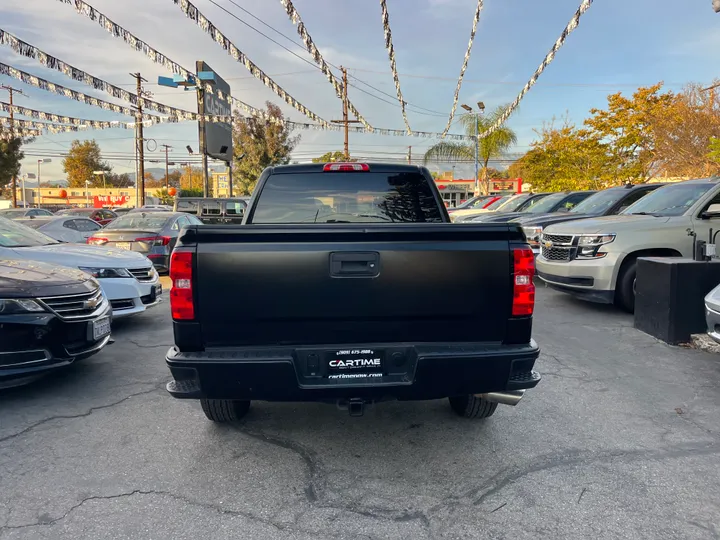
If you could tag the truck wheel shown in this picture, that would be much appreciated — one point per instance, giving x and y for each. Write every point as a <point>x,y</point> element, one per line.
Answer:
<point>470,406</point>
<point>625,289</point>
<point>224,410</point>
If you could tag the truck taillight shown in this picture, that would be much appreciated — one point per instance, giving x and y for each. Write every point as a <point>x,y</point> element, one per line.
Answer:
<point>346,167</point>
<point>523,287</point>
<point>182,306</point>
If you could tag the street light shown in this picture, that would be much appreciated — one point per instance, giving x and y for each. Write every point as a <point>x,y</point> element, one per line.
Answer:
<point>31,176</point>
<point>481,108</point>
<point>101,173</point>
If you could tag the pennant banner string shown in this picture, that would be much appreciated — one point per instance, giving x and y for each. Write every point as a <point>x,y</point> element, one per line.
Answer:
<point>393,67</point>
<point>318,58</point>
<point>194,14</point>
<point>456,96</point>
<point>572,25</point>
<point>58,119</point>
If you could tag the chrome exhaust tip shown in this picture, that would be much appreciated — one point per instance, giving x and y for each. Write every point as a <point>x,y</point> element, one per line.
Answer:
<point>512,397</point>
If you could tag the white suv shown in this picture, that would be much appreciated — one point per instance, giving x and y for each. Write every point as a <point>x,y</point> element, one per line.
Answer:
<point>595,259</point>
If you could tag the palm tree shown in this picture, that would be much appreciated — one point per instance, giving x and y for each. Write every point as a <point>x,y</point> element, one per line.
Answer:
<point>493,146</point>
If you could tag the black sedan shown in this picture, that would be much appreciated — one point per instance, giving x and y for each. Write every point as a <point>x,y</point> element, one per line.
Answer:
<point>50,316</point>
<point>553,202</point>
<point>152,233</point>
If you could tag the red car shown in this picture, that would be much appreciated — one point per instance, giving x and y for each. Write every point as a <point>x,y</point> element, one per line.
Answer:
<point>102,216</point>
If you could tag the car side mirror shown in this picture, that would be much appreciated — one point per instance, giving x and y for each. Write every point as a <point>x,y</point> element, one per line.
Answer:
<point>713,211</point>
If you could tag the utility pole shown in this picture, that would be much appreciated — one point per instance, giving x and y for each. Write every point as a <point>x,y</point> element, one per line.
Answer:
<point>345,121</point>
<point>167,170</point>
<point>409,155</point>
<point>201,130</point>
<point>140,141</point>
<point>11,91</point>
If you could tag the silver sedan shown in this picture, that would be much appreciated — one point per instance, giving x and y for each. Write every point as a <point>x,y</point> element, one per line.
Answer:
<point>71,229</point>
<point>712,313</point>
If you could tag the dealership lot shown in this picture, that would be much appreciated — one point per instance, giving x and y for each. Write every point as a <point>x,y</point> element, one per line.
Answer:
<point>621,439</point>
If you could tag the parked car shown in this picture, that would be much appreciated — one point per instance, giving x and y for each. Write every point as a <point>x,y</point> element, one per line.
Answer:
<point>553,202</point>
<point>102,215</point>
<point>345,270</point>
<point>712,313</point>
<point>608,202</point>
<point>513,203</point>
<point>50,316</point>
<point>21,213</point>
<point>214,211</point>
<point>122,211</point>
<point>128,279</point>
<point>595,259</point>
<point>72,229</point>
<point>151,233</point>
<point>476,203</point>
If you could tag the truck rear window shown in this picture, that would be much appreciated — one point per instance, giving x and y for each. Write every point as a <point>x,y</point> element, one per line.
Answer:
<point>352,197</point>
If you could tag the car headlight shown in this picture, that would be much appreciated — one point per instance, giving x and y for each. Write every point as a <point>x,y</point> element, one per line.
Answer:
<point>533,235</point>
<point>589,245</point>
<point>101,273</point>
<point>20,305</point>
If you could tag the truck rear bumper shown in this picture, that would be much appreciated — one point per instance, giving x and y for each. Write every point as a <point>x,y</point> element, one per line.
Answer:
<point>409,372</point>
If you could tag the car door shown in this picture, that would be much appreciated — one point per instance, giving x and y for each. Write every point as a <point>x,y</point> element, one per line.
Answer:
<point>704,227</point>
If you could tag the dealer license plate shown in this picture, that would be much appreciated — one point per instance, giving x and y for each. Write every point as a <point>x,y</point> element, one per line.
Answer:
<point>100,328</point>
<point>351,364</point>
<point>158,289</point>
<point>122,245</point>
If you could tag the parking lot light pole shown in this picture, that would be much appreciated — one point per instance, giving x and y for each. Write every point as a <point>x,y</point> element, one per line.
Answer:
<point>101,173</point>
<point>87,193</point>
<point>476,115</point>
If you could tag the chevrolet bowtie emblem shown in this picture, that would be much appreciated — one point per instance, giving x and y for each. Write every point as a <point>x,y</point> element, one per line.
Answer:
<point>548,244</point>
<point>92,303</point>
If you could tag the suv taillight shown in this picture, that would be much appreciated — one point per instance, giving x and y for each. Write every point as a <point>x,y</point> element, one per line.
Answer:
<point>523,287</point>
<point>346,167</point>
<point>182,306</point>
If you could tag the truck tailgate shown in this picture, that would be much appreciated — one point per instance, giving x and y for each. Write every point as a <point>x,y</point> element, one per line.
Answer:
<point>315,284</point>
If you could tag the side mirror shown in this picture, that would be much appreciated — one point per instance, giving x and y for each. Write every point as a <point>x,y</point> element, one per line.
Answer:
<point>713,211</point>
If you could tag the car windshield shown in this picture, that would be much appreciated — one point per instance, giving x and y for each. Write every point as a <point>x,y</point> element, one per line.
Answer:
<point>475,202</point>
<point>545,204</point>
<point>672,200</point>
<point>600,202</point>
<point>15,235</point>
<point>497,204</point>
<point>347,197</point>
<point>138,222</point>
<point>513,203</point>
<point>76,212</point>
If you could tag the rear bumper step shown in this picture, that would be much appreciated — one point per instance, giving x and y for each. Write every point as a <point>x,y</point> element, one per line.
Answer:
<point>498,372</point>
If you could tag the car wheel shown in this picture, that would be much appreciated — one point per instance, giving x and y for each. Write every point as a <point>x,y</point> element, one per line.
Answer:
<point>224,410</point>
<point>626,286</point>
<point>470,406</point>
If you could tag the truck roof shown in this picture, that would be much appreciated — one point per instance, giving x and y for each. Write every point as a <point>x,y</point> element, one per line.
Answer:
<point>318,167</point>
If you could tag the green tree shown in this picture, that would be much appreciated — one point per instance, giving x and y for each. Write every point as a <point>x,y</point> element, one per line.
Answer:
<point>118,180</point>
<point>565,158</point>
<point>165,197</point>
<point>82,159</point>
<point>494,145</point>
<point>714,148</point>
<point>627,126</point>
<point>332,157</point>
<point>260,143</point>
<point>11,155</point>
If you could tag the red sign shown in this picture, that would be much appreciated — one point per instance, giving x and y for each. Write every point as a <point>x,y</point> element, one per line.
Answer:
<point>101,201</point>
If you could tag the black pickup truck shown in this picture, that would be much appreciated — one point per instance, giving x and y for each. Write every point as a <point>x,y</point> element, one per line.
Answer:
<point>338,287</point>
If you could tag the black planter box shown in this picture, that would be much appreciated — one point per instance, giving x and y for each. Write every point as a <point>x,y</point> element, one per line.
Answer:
<point>669,296</point>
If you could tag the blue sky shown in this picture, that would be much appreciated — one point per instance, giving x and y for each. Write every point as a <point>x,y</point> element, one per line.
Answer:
<point>618,46</point>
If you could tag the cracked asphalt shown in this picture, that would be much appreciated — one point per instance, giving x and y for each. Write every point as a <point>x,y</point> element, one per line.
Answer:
<point>621,439</point>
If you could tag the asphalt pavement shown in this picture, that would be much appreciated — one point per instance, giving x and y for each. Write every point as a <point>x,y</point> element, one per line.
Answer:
<point>621,439</point>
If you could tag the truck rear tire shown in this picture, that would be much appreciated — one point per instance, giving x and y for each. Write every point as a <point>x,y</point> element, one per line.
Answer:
<point>224,410</point>
<point>470,406</point>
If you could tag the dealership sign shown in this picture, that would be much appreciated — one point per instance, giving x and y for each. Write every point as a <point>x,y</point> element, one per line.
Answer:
<point>218,135</point>
<point>100,201</point>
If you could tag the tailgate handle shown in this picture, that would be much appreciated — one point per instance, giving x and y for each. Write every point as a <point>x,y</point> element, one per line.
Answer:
<point>365,264</point>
